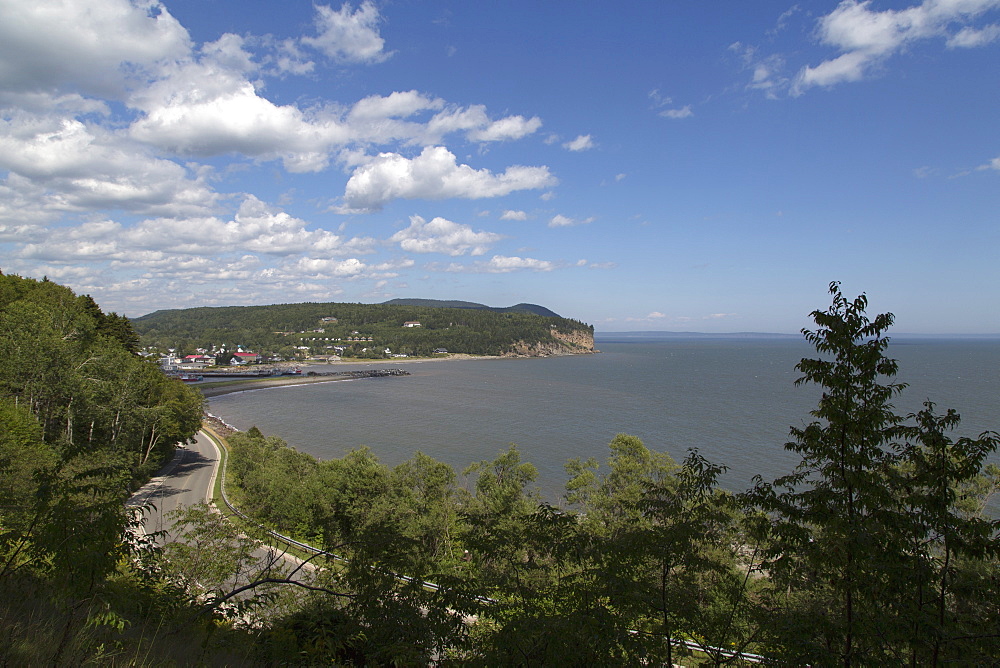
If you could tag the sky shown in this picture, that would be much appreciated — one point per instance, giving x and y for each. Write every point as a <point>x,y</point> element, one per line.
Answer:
<point>681,166</point>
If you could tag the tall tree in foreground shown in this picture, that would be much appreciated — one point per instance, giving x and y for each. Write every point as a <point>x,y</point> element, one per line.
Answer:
<point>829,513</point>
<point>866,534</point>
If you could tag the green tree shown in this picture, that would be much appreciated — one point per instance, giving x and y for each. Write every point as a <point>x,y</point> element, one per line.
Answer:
<point>943,591</point>
<point>830,514</point>
<point>870,536</point>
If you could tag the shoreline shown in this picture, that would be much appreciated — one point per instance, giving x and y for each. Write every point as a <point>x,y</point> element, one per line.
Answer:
<point>217,389</point>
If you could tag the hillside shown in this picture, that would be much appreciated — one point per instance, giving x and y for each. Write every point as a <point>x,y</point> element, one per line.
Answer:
<point>517,308</point>
<point>367,330</point>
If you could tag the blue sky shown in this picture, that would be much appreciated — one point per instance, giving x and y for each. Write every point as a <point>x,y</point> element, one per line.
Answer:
<point>688,166</point>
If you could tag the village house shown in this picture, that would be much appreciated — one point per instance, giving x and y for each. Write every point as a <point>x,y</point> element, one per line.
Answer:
<point>411,323</point>
<point>245,358</point>
<point>205,360</point>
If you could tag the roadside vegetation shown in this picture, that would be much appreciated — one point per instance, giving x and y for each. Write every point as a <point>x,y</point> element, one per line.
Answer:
<point>875,550</point>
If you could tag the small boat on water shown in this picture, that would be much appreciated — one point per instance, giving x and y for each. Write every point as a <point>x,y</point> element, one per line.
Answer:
<point>190,377</point>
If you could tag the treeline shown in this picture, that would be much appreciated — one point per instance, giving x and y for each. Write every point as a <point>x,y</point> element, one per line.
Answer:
<point>260,328</point>
<point>875,550</point>
<point>83,420</point>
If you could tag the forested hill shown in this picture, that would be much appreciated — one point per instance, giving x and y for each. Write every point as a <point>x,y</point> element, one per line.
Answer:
<point>367,330</point>
<point>516,308</point>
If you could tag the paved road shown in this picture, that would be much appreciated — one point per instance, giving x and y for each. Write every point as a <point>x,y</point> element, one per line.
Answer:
<point>186,480</point>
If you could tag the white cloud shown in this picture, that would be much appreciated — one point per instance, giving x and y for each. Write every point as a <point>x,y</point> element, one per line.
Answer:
<point>352,268</point>
<point>867,38</point>
<point>443,236</point>
<point>683,112</point>
<point>108,108</point>
<point>349,36</point>
<point>511,127</point>
<point>91,45</point>
<point>511,214</point>
<point>847,67</point>
<point>434,174</point>
<point>992,164</point>
<point>289,59</point>
<point>767,70</point>
<point>560,220</point>
<point>78,167</point>
<point>971,37</point>
<point>338,268</point>
<point>660,101</point>
<point>502,264</point>
<point>581,143</point>
<point>394,105</point>
<point>209,108</point>
<point>256,227</point>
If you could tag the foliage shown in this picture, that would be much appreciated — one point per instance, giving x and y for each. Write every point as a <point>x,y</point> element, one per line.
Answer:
<point>82,419</point>
<point>866,534</point>
<point>283,326</point>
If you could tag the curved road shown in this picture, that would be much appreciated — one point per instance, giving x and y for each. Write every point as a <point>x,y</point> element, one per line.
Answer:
<point>185,481</point>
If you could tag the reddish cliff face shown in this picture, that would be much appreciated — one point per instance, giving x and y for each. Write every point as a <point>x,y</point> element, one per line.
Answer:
<point>575,342</point>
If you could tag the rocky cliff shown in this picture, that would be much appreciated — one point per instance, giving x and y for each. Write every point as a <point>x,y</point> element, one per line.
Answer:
<point>573,342</point>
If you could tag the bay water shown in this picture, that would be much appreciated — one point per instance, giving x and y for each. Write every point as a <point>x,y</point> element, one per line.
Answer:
<point>732,398</point>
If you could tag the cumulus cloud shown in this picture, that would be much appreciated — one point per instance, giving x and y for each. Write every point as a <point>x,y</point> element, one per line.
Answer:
<point>581,143</point>
<point>502,264</point>
<point>209,107</point>
<point>395,105</point>
<point>352,268</point>
<point>100,42</point>
<point>349,36</point>
<point>560,220</point>
<point>256,227</point>
<point>511,214</point>
<point>443,236</point>
<point>866,38</point>
<point>80,167</point>
<point>434,174</point>
<point>110,108</point>
<point>511,127</point>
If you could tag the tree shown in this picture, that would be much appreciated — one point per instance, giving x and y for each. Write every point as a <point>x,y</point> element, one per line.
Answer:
<point>829,515</point>
<point>944,594</point>
<point>870,536</point>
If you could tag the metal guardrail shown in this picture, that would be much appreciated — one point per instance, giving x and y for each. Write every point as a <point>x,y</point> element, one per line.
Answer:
<point>688,644</point>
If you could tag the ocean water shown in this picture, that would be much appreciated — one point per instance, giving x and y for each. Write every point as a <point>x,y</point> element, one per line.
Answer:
<point>732,398</point>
